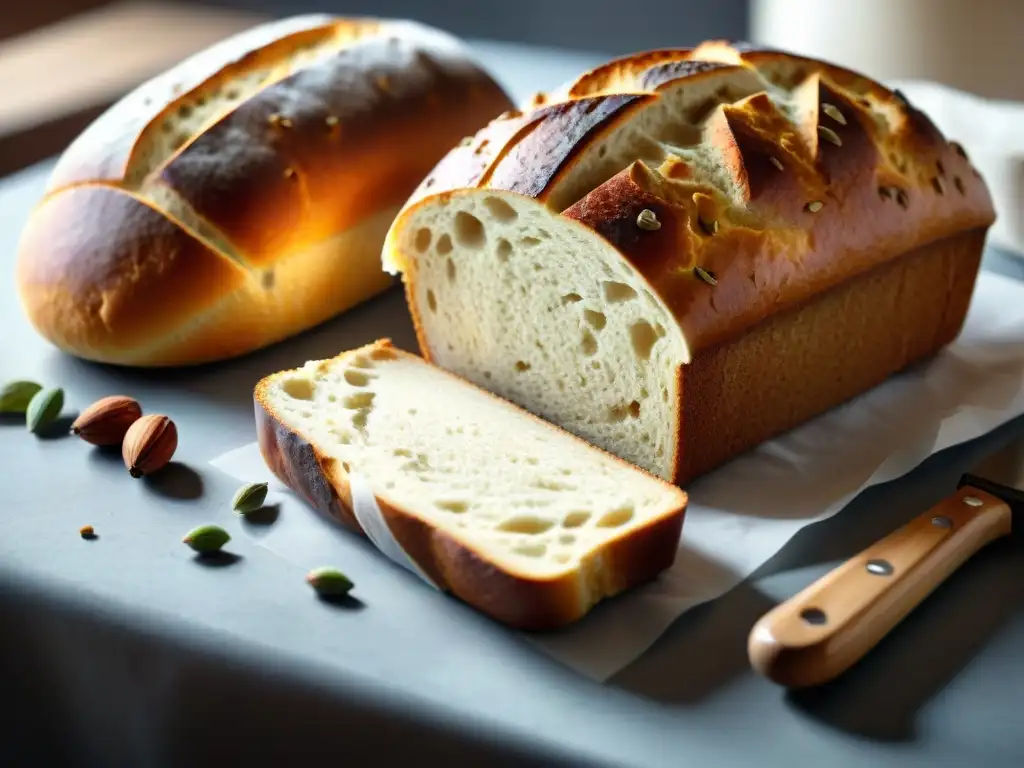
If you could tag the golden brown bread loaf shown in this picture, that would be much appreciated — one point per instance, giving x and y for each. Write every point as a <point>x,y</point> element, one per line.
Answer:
<point>243,196</point>
<point>686,252</point>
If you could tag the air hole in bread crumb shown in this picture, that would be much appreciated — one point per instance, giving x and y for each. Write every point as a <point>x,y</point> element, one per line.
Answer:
<point>487,375</point>
<point>452,505</point>
<point>531,550</point>
<point>359,400</point>
<point>588,344</point>
<point>444,244</point>
<point>548,484</point>
<point>359,420</point>
<point>431,301</point>
<point>597,320</point>
<point>616,517</point>
<point>595,364</point>
<point>469,230</point>
<point>528,524</point>
<point>522,366</point>
<point>500,210</point>
<point>361,361</point>
<point>566,538</point>
<point>575,519</point>
<point>602,151</point>
<point>530,242</point>
<point>615,292</point>
<point>383,354</point>
<point>298,387</point>
<point>571,298</point>
<point>357,378</point>
<point>643,338</point>
<point>403,452</point>
<point>343,437</point>
<point>532,461</point>
<point>346,466</point>
<point>423,239</point>
<point>504,249</point>
<point>449,269</point>
<point>620,412</point>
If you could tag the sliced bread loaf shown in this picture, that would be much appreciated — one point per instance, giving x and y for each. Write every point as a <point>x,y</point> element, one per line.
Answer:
<point>664,256</point>
<point>518,518</point>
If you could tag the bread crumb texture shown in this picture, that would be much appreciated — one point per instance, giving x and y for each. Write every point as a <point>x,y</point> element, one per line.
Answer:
<point>583,256</point>
<point>523,495</point>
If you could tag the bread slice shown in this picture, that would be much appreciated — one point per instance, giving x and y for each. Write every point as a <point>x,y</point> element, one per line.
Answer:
<point>518,518</point>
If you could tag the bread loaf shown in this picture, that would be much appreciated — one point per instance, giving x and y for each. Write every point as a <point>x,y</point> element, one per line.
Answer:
<point>244,195</point>
<point>521,520</point>
<point>686,252</point>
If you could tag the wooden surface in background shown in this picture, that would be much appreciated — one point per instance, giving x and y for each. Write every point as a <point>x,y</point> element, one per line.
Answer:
<point>20,17</point>
<point>59,77</point>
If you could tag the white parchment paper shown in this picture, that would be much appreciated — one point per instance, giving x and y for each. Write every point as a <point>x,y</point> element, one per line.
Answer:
<point>742,514</point>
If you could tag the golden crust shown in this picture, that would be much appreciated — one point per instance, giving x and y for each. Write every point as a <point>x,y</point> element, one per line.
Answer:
<point>318,151</point>
<point>319,127</point>
<point>791,196</point>
<point>817,199</point>
<point>517,600</point>
<point>101,301</point>
<point>104,150</point>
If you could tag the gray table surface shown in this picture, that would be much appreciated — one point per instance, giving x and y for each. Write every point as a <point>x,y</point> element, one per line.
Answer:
<point>125,651</point>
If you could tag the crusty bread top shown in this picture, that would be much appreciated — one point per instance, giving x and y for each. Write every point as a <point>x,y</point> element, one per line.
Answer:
<point>773,177</point>
<point>287,133</point>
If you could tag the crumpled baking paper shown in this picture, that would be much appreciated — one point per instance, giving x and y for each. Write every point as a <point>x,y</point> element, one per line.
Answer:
<point>742,514</point>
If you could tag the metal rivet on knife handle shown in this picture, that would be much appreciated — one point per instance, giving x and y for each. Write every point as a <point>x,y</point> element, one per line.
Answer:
<point>973,501</point>
<point>879,567</point>
<point>942,522</point>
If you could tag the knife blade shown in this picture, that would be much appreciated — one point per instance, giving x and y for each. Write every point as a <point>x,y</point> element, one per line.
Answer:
<point>825,629</point>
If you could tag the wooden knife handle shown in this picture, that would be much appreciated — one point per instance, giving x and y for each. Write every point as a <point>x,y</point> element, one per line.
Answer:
<point>829,626</point>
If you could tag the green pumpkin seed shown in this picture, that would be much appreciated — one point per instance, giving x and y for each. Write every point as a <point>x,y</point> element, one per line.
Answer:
<point>329,581</point>
<point>207,539</point>
<point>16,395</point>
<point>44,408</point>
<point>250,498</point>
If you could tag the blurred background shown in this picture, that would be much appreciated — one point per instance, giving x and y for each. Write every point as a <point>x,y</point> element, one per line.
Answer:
<point>64,61</point>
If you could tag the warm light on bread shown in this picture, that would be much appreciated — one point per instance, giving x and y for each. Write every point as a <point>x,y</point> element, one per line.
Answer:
<point>518,518</point>
<point>686,252</point>
<point>243,196</point>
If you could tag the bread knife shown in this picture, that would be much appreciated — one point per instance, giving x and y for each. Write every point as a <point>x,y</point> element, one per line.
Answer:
<point>828,627</point>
